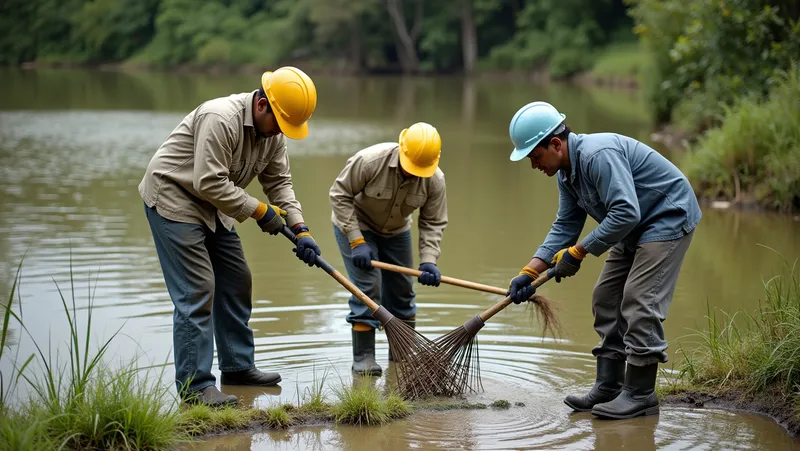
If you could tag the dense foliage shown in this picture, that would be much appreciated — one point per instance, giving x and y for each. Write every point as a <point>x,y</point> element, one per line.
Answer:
<point>709,53</point>
<point>368,35</point>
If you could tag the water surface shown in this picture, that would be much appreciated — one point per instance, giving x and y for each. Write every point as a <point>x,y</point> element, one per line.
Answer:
<point>73,145</point>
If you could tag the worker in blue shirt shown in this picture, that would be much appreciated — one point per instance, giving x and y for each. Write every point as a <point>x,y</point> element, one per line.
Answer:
<point>647,212</point>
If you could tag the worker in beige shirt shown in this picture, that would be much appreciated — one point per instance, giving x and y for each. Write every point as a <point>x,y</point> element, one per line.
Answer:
<point>193,190</point>
<point>372,201</point>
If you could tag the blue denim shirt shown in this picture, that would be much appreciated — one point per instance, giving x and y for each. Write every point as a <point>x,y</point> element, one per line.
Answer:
<point>633,192</point>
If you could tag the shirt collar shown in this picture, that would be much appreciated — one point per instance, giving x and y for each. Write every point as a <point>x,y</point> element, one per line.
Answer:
<point>248,109</point>
<point>394,160</point>
<point>572,144</point>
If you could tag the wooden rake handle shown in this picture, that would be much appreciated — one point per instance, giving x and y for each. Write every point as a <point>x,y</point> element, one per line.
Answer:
<point>495,309</point>
<point>448,280</point>
<point>343,281</point>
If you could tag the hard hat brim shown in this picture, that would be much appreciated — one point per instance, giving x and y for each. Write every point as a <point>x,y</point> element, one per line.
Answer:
<point>292,131</point>
<point>419,171</point>
<point>519,154</point>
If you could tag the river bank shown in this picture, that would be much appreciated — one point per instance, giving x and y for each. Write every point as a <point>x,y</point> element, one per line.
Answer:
<point>747,360</point>
<point>772,403</point>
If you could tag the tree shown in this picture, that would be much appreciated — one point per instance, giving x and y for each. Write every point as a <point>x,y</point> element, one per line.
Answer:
<point>469,37</point>
<point>406,39</point>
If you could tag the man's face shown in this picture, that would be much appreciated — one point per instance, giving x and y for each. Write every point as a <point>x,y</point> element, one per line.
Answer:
<point>264,120</point>
<point>547,159</point>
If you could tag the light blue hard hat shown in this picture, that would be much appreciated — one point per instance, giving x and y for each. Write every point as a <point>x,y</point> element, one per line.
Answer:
<point>530,125</point>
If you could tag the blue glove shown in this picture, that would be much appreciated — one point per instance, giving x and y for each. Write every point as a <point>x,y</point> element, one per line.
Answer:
<point>306,248</point>
<point>430,275</point>
<point>361,255</point>
<point>520,288</point>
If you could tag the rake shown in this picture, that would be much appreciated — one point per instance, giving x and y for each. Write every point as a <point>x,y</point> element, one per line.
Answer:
<point>458,349</point>
<point>543,306</point>
<point>418,361</point>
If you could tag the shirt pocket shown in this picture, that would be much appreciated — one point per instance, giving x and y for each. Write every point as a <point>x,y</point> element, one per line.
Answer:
<point>411,203</point>
<point>235,170</point>
<point>377,198</point>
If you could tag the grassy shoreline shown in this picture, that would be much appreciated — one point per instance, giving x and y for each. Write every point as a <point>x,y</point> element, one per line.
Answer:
<point>76,401</point>
<point>747,360</point>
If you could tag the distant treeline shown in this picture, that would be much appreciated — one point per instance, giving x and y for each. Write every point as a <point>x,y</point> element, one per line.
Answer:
<point>701,55</point>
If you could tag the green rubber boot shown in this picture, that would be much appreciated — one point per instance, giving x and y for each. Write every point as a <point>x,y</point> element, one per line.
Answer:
<point>364,353</point>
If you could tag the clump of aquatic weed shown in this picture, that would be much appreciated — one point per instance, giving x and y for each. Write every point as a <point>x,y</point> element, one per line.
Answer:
<point>364,405</point>
<point>501,404</point>
<point>750,355</point>
<point>84,404</point>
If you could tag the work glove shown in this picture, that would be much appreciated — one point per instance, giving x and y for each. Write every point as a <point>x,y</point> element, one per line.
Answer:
<point>430,275</point>
<point>306,248</point>
<point>271,222</point>
<point>520,288</point>
<point>361,254</point>
<point>567,262</point>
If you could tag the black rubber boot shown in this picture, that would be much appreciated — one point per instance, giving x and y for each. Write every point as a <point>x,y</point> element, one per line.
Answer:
<point>411,322</point>
<point>638,396</point>
<point>607,385</point>
<point>364,353</point>
<point>252,376</point>
<point>212,397</point>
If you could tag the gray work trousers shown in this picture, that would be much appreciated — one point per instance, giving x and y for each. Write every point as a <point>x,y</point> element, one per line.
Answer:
<point>631,299</point>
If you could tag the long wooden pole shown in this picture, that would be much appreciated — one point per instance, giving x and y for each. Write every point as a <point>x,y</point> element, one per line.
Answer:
<point>445,279</point>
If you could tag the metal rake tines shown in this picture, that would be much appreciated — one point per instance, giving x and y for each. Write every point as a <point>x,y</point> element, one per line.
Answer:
<point>418,364</point>
<point>463,364</point>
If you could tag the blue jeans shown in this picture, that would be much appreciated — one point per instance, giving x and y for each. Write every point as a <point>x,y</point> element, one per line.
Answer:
<point>211,286</point>
<point>393,291</point>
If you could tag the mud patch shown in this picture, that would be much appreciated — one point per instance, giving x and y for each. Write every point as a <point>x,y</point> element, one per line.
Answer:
<point>782,409</point>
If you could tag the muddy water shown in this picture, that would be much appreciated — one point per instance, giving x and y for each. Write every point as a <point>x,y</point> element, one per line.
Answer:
<point>73,145</point>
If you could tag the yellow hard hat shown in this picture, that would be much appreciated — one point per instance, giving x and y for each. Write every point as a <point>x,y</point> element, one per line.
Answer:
<point>293,98</point>
<point>420,146</point>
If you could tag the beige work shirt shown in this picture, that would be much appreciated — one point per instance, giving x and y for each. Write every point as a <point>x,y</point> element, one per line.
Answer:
<point>202,168</point>
<point>371,194</point>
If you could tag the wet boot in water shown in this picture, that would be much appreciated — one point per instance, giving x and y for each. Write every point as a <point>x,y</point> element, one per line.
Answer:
<point>607,385</point>
<point>638,396</point>
<point>212,397</point>
<point>252,376</point>
<point>364,352</point>
<point>411,322</point>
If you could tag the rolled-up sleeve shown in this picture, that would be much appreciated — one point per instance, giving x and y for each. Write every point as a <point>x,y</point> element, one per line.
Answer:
<point>276,182</point>
<point>432,222</point>
<point>214,139</point>
<point>351,180</point>
<point>610,173</point>
<point>566,228</point>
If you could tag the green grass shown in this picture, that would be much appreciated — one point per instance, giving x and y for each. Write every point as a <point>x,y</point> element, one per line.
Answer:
<point>754,155</point>
<point>501,404</point>
<point>364,405</point>
<point>621,61</point>
<point>749,353</point>
<point>81,403</point>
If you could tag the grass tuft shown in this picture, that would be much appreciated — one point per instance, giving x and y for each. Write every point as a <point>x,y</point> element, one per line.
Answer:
<point>501,404</point>
<point>278,417</point>
<point>749,353</point>
<point>360,405</point>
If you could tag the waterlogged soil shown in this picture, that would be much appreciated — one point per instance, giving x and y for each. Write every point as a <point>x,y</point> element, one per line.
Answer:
<point>773,404</point>
<point>68,176</point>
